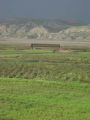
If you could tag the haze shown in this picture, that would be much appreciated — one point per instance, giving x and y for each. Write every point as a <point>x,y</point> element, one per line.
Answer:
<point>61,9</point>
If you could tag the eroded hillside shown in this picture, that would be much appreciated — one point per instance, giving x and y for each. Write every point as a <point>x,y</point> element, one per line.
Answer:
<point>44,29</point>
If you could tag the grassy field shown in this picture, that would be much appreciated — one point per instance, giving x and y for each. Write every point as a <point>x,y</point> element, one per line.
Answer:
<point>44,64</point>
<point>43,85</point>
<point>22,99</point>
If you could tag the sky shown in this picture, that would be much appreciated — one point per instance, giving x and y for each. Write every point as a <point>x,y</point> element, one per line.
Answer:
<point>49,9</point>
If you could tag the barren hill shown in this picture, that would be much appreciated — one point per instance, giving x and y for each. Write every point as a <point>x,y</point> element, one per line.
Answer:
<point>41,29</point>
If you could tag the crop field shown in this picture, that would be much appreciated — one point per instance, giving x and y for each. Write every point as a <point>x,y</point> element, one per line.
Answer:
<point>44,85</point>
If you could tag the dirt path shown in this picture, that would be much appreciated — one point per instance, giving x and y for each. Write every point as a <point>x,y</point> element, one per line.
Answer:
<point>29,41</point>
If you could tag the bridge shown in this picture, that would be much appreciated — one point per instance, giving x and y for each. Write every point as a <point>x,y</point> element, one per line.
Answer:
<point>45,46</point>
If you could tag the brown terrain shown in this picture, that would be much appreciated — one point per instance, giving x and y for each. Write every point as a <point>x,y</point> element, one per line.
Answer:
<point>17,31</point>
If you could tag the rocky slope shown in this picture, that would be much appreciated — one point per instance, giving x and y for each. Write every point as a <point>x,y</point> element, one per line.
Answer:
<point>44,29</point>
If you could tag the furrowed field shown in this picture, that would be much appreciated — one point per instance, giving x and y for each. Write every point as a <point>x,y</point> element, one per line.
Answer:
<point>43,85</point>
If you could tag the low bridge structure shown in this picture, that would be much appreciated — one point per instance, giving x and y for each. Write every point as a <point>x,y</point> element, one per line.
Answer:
<point>50,46</point>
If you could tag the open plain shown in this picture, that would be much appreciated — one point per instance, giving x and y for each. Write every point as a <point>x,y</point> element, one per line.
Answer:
<point>44,85</point>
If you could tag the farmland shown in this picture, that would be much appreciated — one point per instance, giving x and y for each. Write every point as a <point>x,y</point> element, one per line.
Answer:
<point>44,64</point>
<point>43,85</point>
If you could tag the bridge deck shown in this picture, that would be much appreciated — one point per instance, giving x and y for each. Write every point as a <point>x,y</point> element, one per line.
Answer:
<point>45,46</point>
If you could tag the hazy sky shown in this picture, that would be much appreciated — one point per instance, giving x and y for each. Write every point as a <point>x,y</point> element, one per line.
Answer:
<point>63,9</point>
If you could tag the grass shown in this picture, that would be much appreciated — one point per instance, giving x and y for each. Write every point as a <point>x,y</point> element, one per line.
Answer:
<point>44,64</point>
<point>22,99</point>
<point>42,85</point>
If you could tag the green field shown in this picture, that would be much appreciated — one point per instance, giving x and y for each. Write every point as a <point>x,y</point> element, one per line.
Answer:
<point>22,99</point>
<point>43,85</point>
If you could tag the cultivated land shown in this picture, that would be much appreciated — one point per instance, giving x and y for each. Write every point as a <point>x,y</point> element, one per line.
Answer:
<point>43,85</point>
<point>22,99</point>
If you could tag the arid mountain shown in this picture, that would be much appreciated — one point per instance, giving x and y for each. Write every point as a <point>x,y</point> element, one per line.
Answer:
<point>44,29</point>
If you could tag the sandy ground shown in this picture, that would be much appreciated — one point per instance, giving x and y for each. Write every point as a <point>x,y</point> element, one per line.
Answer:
<point>29,41</point>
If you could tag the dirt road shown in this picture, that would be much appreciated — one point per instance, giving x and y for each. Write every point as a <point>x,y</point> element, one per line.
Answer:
<point>29,41</point>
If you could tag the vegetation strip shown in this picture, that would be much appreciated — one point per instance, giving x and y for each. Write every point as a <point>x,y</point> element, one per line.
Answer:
<point>22,99</point>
